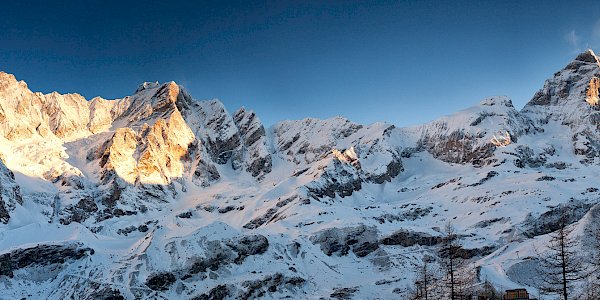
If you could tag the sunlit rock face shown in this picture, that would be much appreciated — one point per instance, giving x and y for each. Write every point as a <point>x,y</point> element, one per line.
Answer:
<point>502,140</point>
<point>26,114</point>
<point>152,137</point>
<point>68,115</point>
<point>150,151</point>
<point>348,155</point>
<point>119,154</point>
<point>21,112</point>
<point>103,112</point>
<point>593,91</point>
<point>166,143</point>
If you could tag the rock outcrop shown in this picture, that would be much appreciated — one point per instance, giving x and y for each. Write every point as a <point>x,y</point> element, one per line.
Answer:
<point>220,134</point>
<point>254,157</point>
<point>41,255</point>
<point>10,193</point>
<point>592,92</point>
<point>336,178</point>
<point>408,238</point>
<point>361,239</point>
<point>306,141</point>
<point>466,137</point>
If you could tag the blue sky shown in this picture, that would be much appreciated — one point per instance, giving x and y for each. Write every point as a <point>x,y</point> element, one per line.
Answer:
<point>404,62</point>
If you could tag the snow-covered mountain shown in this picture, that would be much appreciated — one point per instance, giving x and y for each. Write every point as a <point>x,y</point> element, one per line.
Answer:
<point>159,195</point>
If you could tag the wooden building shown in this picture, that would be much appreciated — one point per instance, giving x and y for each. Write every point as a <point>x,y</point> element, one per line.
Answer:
<point>517,294</point>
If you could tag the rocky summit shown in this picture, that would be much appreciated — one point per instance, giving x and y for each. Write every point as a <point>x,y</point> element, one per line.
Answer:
<point>158,195</point>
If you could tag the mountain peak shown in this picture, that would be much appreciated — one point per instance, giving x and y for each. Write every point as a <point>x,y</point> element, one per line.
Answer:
<point>588,56</point>
<point>7,76</point>
<point>147,85</point>
<point>497,100</point>
<point>7,79</point>
<point>568,85</point>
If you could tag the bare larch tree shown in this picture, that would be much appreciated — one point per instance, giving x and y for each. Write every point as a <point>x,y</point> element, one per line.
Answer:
<point>426,281</point>
<point>449,253</point>
<point>559,265</point>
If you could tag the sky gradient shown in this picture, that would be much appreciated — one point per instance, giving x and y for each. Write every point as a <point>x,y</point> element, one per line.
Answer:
<point>403,62</point>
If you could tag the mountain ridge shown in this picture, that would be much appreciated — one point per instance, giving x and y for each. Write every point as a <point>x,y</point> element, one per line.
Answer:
<point>179,198</point>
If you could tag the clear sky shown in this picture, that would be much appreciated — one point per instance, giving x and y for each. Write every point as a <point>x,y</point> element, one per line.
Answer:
<point>404,62</point>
